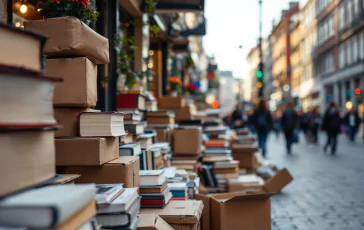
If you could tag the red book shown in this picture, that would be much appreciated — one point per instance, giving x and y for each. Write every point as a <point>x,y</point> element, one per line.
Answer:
<point>152,202</point>
<point>130,101</point>
<point>179,198</point>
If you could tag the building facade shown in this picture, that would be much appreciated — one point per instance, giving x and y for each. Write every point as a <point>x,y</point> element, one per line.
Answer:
<point>341,69</point>
<point>250,89</point>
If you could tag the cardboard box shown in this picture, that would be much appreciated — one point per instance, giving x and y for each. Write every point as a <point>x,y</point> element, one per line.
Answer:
<point>122,170</point>
<point>179,212</point>
<point>183,113</point>
<point>68,36</point>
<point>277,182</point>
<point>245,148</point>
<point>247,160</point>
<point>186,226</point>
<point>192,136</point>
<point>67,117</point>
<point>171,102</point>
<point>78,151</point>
<point>236,211</point>
<point>79,88</point>
<point>152,222</point>
<point>162,135</point>
<point>205,218</point>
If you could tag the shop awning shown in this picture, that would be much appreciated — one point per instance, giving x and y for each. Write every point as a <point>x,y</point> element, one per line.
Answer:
<point>175,6</point>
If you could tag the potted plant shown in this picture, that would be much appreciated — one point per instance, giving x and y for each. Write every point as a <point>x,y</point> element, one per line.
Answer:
<point>175,86</point>
<point>65,23</point>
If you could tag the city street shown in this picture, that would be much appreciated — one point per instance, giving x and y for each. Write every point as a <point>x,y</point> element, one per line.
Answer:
<point>327,191</point>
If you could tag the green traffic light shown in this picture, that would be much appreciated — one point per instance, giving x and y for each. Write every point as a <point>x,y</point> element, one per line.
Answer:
<point>259,74</point>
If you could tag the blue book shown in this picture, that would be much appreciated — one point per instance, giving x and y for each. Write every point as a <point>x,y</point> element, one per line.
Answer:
<point>133,225</point>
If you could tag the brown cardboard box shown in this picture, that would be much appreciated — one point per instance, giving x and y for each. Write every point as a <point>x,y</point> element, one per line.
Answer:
<point>205,218</point>
<point>236,211</point>
<point>192,136</point>
<point>245,148</point>
<point>79,151</point>
<point>67,36</point>
<point>67,117</point>
<point>183,113</point>
<point>186,226</point>
<point>171,102</point>
<point>162,135</point>
<point>152,222</point>
<point>79,88</point>
<point>179,212</point>
<point>277,182</point>
<point>247,160</point>
<point>122,170</point>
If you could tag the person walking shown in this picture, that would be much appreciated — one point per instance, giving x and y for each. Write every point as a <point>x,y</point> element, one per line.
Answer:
<point>331,124</point>
<point>352,122</point>
<point>262,121</point>
<point>237,118</point>
<point>314,123</point>
<point>289,123</point>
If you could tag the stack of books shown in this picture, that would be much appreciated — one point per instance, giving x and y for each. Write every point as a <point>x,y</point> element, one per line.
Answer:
<point>165,149</point>
<point>154,189</point>
<point>178,190</point>
<point>207,176</point>
<point>59,206</point>
<point>160,117</point>
<point>146,141</point>
<point>117,208</point>
<point>225,170</point>
<point>27,125</point>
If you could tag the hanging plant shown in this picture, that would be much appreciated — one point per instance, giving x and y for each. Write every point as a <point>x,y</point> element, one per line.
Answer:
<point>149,8</point>
<point>81,9</point>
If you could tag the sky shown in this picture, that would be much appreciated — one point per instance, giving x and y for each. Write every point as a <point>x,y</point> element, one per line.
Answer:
<point>231,23</point>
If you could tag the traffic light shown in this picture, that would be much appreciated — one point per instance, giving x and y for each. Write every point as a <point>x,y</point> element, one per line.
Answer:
<point>357,91</point>
<point>260,78</point>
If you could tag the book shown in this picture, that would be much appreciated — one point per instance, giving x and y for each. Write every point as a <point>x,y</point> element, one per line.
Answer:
<point>153,188</point>
<point>227,164</point>
<point>146,140</point>
<point>135,129</point>
<point>107,192</point>
<point>160,120</point>
<point>127,139</point>
<point>156,195</point>
<point>26,96</point>
<point>131,149</point>
<point>133,116</point>
<point>160,113</point>
<point>130,101</point>
<point>33,150</point>
<point>156,203</point>
<point>119,219</point>
<point>151,177</point>
<point>55,204</point>
<point>122,203</point>
<point>102,124</point>
<point>182,186</point>
<point>164,146</point>
<point>133,225</point>
<point>21,48</point>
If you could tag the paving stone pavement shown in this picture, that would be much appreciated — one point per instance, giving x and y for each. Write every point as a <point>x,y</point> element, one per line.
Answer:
<point>327,191</point>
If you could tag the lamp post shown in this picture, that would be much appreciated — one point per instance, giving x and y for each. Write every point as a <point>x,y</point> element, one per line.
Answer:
<point>261,66</point>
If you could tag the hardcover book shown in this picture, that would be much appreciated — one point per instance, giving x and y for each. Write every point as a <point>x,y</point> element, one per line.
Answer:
<point>131,149</point>
<point>131,101</point>
<point>103,124</point>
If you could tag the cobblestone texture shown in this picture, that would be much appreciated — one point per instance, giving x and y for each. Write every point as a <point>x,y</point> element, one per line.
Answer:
<point>327,191</point>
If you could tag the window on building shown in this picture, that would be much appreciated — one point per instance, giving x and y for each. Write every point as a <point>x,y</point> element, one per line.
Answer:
<point>342,16</point>
<point>348,53</point>
<point>341,56</point>
<point>349,11</point>
<point>331,27</point>
<point>356,7</point>
<point>361,45</point>
<point>354,43</point>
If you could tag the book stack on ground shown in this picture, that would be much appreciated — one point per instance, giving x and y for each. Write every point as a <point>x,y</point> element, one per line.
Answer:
<point>154,189</point>
<point>146,141</point>
<point>165,148</point>
<point>160,117</point>
<point>27,125</point>
<point>51,207</point>
<point>225,170</point>
<point>117,208</point>
<point>178,190</point>
<point>207,176</point>
<point>186,155</point>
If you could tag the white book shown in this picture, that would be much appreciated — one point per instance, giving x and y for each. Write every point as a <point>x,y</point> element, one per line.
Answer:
<point>131,149</point>
<point>121,203</point>
<point>54,204</point>
<point>177,186</point>
<point>107,192</point>
<point>170,172</point>
<point>151,177</point>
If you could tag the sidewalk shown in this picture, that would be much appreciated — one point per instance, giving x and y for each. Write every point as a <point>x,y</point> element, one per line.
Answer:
<point>328,191</point>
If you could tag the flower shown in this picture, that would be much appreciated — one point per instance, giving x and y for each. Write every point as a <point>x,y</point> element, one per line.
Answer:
<point>175,80</point>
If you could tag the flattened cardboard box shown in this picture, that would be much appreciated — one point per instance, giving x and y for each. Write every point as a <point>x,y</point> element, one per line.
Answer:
<point>67,117</point>
<point>236,211</point>
<point>68,36</point>
<point>171,102</point>
<point>205,218</point>
<point>79,87</point>
<point>122,170</point>
<point>152,222</point>
<point>179,212</point>
<point>192,136</point>
<point>89,151</point>
<point>277,182</point>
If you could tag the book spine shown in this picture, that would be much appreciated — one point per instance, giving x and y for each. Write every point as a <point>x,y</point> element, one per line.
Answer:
<point>127,101</point>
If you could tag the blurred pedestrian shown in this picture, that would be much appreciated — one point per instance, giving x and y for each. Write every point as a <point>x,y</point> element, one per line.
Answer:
<point>352,122</point>
<point>289,124</point>
<point>304,125</point>
<point>251,121</point>
<point>331,124</point>
<point>237,117</point>
<point>277,123</point>
<point>314,124</point>
<point>262,121</point>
